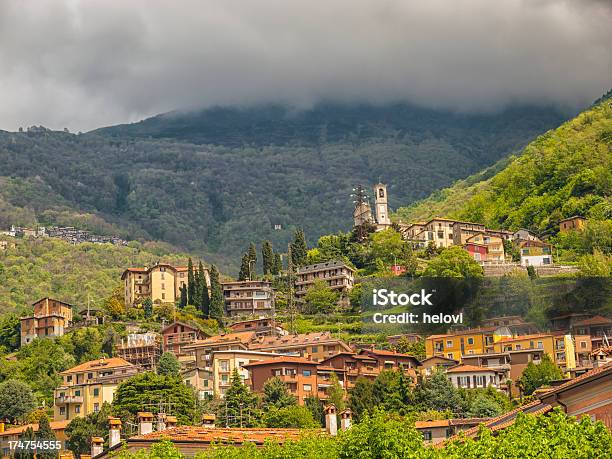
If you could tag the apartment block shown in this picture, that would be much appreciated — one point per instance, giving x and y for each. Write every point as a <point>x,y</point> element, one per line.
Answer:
<point>314,346</point>
<point>336,274</point>
<point>162,283</point>
<point>248,298</point>
<point>473,341</point>
<point>494,247</point>
<point>87,386</point>
<point>177,335</point>
<point>49,320</point>
<point>201,351</point>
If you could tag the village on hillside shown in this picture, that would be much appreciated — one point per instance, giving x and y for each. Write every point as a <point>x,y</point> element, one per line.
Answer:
<point>236,343</point>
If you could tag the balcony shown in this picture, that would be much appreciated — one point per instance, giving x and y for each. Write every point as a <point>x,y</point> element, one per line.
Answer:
<point>68,399</point>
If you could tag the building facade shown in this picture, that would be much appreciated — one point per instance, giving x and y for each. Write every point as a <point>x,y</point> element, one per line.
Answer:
<point>177,335</point>
<point>87,386</point>
<point>248,298</point>
<point>314,346</point>
<point>336,274</point>
<point>575,223</point>
<point>535,253</point>
<point>49,320</point>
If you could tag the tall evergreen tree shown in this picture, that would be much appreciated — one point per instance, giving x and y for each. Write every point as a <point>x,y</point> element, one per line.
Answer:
<point>204,294</point>
<point>191,286</point>
<point>45,435</point>
<point>239,407</point>
<point>278,264</point>
<point>183,301</point>
<point>267,258</point>
<point>217,304</point>
<point>299,249</point>
<point>27,436</point>
<point>252,261</point>
<point>244,268</point>
<point>147,306</point>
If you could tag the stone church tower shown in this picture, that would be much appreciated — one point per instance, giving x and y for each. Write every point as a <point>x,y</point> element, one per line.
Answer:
<point>382,212</point>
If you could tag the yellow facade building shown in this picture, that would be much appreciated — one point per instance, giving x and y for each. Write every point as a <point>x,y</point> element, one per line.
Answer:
<point>87,386</point>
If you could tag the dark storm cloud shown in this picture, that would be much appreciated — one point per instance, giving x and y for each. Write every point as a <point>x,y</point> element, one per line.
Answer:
<point>91,63</point>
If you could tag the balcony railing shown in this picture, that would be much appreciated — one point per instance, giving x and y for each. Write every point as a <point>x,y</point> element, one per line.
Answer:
<point>67,399</point>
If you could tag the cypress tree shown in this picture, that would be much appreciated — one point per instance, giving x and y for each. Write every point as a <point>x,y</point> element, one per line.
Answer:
<point>217,304</point>
<point>278,264</point>
<point>190,283</point>
<point>299,248</point>
<point>244,268</point>
<point>45,434</point>
<point>204,295</point>
<point>252,253</point>
<point>26,453</point>
<point>183,302</point>
<point>147,306</point>
<point>197,293</point>
<point>267,258</point>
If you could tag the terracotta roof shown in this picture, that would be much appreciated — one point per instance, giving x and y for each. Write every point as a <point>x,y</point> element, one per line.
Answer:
<point>524,337</point>
<point>589,375</point>
<point>199,434</point>
<point>441,357</point>
<point>471,331</point>
<point>597,320</point>
<point>282,359</point>
<point>55,425</point>
<point>99,364</point>
<point>270,342</point>
<point>52,299</point>
<point>430,424</point>
<point>185,324</point>
<point>469,369</point>
<point>384,353</point>
<point>244,337</point>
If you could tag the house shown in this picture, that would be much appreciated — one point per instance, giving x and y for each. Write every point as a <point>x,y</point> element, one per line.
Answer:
<point>602,356</point>
<point>599,328</point>
<point>391,360</point>
<point>162,283</point>
<point>315,346</point>
<point>201,351</point>
<point>535,253</point>
<point>14,433</point>
<point>494,247</point>
<point>336,274</point>
<point>516,324</point>
<point>471,376</point>
<point>177,335</point>
<point>261,326</point>
<point>49,320</point>
<point>298,374</point>
<point>394,340</point>
<point>437,431</point>
<point>431,364</point>
<point>140,349</point>
<point>471,341</point>
<point>248,298</point>
<point>575,223</point>
<point>87,386</point>
<point>352,366</point>
<point>525,235</point>
<point>477,251</point>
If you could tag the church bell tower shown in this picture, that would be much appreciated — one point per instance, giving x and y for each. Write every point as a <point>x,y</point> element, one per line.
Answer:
<point>382,212</point>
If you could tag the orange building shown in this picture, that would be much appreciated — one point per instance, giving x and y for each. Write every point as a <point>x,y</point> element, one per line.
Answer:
<point>298,373</point>
<point>50,320</point>
<point>178,335</point>
<point>575,223</point>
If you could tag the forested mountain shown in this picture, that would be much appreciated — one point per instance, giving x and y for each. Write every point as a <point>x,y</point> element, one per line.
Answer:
<point>212,181</point>
<point>565,172</point>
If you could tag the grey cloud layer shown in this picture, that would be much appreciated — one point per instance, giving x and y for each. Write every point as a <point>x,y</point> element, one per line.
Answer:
<point>92,63</point>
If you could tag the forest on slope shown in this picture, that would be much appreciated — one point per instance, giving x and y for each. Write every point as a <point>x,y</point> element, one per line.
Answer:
<point>211,182</point>
<point>562,173</point>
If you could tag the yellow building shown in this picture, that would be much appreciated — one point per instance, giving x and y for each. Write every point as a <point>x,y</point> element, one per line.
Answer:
<point>162,283</point>
<point>456,345</point>
<point>494,245</point>
<point>225,362</point>
<point>575,223</point>
<point>87,386</point>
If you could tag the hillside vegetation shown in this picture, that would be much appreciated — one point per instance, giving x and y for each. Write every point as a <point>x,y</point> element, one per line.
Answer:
<point>564,172</point>
<point>211,182</point>
<point>34,269</point>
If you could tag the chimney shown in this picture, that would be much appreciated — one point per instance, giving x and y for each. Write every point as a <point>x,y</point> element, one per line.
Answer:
<point>208,420</point>
<point>161,421</point>
<point>114,431</point>
<point>145,422</point>
<point>346,417</point>
<point>170,422</point>
<point>97,446</point>
<point>331,422</point>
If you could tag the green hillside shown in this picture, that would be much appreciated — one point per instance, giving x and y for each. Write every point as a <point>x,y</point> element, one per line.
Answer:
<point>211,182</point>
<point>32,269</point>
<point>565,172</point>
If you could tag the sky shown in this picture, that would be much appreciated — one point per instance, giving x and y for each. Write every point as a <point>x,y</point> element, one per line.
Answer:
<point>87,64</point>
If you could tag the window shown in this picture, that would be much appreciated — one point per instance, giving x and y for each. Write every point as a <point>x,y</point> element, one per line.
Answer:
<point>96,392</point>
<point>223,365</point>
<point>163,296</point>
<point>427,435</point>
<point>77,409</point>
<point>77,393</point>
<point>96,407</point>
<point>540,345</point>
<point>306,372</point>
<point>517,347</point>
<point>89,375</point>
<point>163,286</point>
<point>449,343</point>
<point>583,344</point>
<point>224,378</point>
<point>62,410</point>
<point>449,355</point>
<point>314,349</point>
<point>470,340</point>
<point>307,388</point>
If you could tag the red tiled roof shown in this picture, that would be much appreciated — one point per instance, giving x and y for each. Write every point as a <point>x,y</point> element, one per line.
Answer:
<point>198,434</point>
<point>55,425</point>
<point>281,359</point>
<point>597,320</point>
<point>594,373</point>
<point>99,364</point>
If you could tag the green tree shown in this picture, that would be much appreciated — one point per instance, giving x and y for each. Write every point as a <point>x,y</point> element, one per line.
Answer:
<point>45,434</point>
<point>391,391</point>
<point>27,436</point>
<point>315,405</point>
<point>361,397</point>
<point>335,392</point>
<point>484,407</point>
<point>81,429</point>
<point>535,376</point>
<point>183,301</point>
<point>168,365</point>
<point>245,268</point>
<point>145,388</point>
<point>16,400</point>
<point>252,253</point>
<point>390,247</point>
<point>267,258</point>
<point>320,298</point>
<point>438,393</point>
<point>299,248</point>
<point>239,405</point>
<point>9,332</point>
<point>147,306</point>
<point>203,294</point>
<point>297,417</point>
<point>276,394</point>
<point>416,349</point>
<point>217,303</point>
<point>596,265</point>
<point>191,284</point>
<point>454,262</point>
<point>278,264</point>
